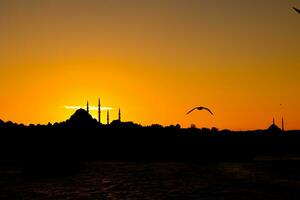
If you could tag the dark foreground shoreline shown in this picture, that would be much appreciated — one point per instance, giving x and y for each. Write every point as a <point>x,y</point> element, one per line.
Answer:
<point>82,138</point>
<point>143,144</point>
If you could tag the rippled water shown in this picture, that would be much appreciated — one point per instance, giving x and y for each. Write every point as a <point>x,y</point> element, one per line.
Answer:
<point>157,180</point>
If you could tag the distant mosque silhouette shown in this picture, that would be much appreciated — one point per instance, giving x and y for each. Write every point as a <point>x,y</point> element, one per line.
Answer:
<point>99,113</point>
<point>275,128</point>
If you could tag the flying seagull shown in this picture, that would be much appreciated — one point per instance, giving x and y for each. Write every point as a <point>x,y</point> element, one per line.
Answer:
<point>199,108</point>
<point>296,9</point>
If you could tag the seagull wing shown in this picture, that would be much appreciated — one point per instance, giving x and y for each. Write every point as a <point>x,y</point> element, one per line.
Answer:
<point>191,110</point>
<point>208,110</point>
<point>296,9</point>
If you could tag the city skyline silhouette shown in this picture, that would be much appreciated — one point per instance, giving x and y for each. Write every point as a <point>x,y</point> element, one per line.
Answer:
<point>117,116</point>
<point>83,117</point>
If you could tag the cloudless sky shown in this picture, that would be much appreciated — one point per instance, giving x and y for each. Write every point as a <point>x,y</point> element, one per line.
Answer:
<point>154,59</point>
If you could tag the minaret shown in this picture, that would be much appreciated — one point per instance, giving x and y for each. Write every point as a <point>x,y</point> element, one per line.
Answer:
<point>282,124</point>
<point>119,115</point>
<point>99,111</point>
<point>107,117</point>
<point>87,106</point>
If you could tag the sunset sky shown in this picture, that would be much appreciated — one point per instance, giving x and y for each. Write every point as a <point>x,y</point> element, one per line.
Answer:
<point>154,59</point>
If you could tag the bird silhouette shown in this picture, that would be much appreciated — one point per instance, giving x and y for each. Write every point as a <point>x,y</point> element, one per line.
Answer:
<point>297,10</point>
<point>200,108</point>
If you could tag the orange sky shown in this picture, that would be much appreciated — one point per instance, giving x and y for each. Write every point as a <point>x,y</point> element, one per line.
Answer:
<point>154,59</point>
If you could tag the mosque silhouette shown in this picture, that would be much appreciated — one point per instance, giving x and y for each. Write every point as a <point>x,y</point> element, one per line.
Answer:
<point>99,112</point>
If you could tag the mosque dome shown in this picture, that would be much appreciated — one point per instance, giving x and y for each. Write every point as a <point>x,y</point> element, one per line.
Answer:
<point>81,118</point>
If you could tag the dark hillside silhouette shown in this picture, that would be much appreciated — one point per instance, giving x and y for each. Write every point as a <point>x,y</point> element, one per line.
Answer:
<point>81,137</point>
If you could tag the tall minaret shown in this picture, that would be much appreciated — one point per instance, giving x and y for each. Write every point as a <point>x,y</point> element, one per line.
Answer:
<point>119,115</point>
<point>282,124</point>
<point>87,106</point>
<point>107,117</point>
<point>99,111</point>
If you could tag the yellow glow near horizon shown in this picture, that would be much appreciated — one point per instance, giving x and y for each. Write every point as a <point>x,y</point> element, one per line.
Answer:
<point>90,107</point>
<point>153,59</point>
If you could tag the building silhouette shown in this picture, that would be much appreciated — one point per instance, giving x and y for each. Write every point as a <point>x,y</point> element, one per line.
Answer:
<point>274,128</point>
<point>87,107</point>
<point>107,117</point>
<point>119,116</point>
<point>99,111</point>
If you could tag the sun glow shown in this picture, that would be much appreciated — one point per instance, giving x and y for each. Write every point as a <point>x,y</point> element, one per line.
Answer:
<point>90,107</point>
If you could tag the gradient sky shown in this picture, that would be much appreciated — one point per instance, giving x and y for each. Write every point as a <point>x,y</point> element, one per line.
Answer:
<point>155,59</point>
